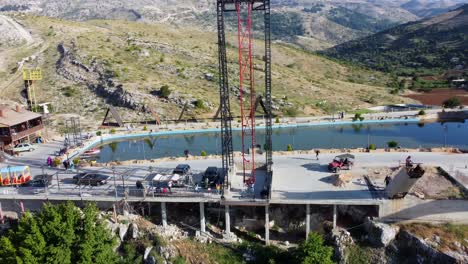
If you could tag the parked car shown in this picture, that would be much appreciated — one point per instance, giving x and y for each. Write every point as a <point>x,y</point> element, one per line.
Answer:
<point>211,177</point>
<point>22,147</point>
<point>40,181</point>
<point>93,179</point>
<point>341,162</point>
<point>182,169</point>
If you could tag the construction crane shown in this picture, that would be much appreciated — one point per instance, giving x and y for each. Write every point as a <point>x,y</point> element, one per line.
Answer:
<point>30,76</point>
<point>247,94</point>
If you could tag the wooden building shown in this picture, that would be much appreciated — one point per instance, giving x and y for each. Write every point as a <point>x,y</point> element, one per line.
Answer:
<point>18,125</point>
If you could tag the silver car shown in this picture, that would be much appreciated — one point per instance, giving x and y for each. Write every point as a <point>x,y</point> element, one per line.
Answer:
<point>24,147</point>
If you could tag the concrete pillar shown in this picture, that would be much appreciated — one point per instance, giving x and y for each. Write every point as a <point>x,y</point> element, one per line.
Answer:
<point>227,221</point>
<point>202,218</point>
<point>164,214</point>
<point>307,220</point>
<point>267,224</point>
<point>334,216</point>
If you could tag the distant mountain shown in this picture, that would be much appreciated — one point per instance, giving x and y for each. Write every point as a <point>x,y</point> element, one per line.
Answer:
<point>439,42</point>
<point>311,24</point>
<point>427,8</point>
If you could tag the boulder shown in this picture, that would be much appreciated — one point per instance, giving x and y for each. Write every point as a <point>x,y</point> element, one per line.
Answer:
<point>147,252</point>
<point>167,252</point>
<point>122,231</point>
<point>380,234</point>
<point>340,239</point>
<point>422,252</point>
<point>133,232</point>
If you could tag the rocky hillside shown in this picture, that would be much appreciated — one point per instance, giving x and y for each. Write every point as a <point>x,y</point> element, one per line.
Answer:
<point>311,24</point>
<point>439,42</point>
<point>12,33</point>
<point>89,65</point>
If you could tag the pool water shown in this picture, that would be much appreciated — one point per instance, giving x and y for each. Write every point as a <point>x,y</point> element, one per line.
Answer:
<point>410,135</point>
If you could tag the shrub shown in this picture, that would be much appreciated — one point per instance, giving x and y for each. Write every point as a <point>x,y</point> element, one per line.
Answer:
<point>358,255</point>
<point>421,112</point>
<point>76,161</point>
<point>291,111</point>
<point>290,148</point>
<point>357,116</point>
<point>203,153</point>
<point>145,128</point>
<point>57,162</point>
<point>372,147</point>
<point>361,118</point>
<point>451,102</point>
<point>277,121</point>
<point>314,251</point>
<point>165,91</point>
<point>392,144</point>
<point>99,133</point>
<point>199,104</point>
<point>112,131</point>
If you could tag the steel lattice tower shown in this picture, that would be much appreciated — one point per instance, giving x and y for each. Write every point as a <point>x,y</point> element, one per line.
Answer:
<point>244,9</point>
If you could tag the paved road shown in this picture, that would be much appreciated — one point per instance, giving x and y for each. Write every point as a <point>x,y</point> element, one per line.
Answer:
<point>296,177</point>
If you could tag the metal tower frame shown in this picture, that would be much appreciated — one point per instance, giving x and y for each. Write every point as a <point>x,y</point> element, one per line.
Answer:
<point>30,76</point>
<point>246,73</point>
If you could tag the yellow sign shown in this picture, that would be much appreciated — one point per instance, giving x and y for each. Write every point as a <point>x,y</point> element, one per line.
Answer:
<point>32,74</point>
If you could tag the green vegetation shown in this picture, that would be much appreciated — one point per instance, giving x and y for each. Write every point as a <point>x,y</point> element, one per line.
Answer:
<point>357,255</point>
<point>203,153</point>
<point>421,112</point>
<point>392,144</point>
<point>70,92</point>
<point>165,91</point>
<point>289,147</point>
<point>358,116</point>
<point>452,102</point>
<point>59,234</point>
<point>145,128</point>
<point>98,133</point>
<point>277,120</point>
<point>419,47</point>
<point>112,131</point>
<point>199,104</point>
<point>313,251</point>
<point>372,146</point>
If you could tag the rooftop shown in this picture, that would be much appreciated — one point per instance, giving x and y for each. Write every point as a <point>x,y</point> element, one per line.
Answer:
<point>10,116</point>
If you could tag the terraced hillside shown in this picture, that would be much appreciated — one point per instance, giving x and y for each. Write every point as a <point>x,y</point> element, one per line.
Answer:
<point>88,65</point>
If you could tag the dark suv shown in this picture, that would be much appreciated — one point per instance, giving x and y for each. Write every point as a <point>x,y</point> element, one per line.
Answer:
<point>93,179</point>
<point>182,169</point>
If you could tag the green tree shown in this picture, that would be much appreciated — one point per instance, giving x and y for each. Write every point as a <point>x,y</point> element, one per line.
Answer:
<point>59,234</point>
<point>451,102</point>
<point>313,251</point>
<point>7,251</point>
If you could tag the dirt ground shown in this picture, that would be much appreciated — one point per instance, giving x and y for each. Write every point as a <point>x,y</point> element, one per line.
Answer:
<point>432,185</point>
<point>438,96</point>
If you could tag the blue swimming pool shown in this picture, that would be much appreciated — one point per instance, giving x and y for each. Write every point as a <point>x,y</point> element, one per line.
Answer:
<point>326,135</point>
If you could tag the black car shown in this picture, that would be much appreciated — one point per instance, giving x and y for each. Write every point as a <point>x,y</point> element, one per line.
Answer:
<point>93,179</point>
<point>182,169</point>
<point>40,181</point>
<point>211,176</point>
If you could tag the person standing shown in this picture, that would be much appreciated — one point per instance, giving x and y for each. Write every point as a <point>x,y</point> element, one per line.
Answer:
<point>317,152</point>
<point>49,161</point>
<point>387,180</point>
<point>169,186</point>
